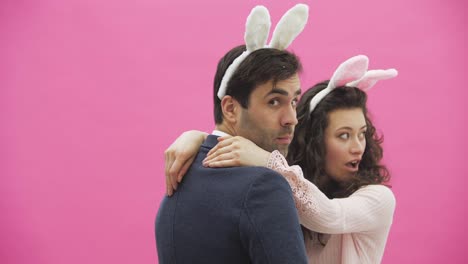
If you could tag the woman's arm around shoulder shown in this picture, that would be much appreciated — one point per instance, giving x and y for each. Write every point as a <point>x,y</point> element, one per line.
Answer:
<point>369,208</point>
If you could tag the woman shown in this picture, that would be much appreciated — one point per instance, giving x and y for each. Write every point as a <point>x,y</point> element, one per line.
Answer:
<point>343,204</point>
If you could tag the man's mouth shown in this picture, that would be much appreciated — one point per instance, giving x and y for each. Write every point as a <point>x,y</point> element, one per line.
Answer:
<point>284,139</point>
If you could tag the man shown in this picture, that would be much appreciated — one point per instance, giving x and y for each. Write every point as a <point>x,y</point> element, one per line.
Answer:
<point>241,214</point>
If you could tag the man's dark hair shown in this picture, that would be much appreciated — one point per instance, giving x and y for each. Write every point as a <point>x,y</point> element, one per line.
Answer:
<point>258,68</point>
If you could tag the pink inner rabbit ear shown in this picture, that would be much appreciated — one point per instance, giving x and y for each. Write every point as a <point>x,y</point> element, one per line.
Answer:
<point>353,73</point>
<point>290,26</point>
<point>257,28</point>
<point>372,77</point>
<point>350,70</point>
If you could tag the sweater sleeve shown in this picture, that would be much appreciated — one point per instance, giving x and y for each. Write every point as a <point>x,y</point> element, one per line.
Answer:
<point>366,210</point>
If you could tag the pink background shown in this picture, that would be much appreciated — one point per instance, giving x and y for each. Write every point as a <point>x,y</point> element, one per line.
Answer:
<point>92,92</point>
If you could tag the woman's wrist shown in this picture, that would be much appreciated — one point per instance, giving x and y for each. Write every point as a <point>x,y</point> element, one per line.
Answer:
<point>276,160</point>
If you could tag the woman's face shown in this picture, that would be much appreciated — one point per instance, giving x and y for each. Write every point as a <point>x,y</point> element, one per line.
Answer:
<point>345,142</point>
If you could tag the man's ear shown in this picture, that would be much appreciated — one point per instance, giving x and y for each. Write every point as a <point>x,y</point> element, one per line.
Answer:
<point>230,108</point>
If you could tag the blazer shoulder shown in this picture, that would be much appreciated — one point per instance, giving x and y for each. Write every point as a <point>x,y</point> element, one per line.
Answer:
<point>264,175</point>
<point>267,180</point>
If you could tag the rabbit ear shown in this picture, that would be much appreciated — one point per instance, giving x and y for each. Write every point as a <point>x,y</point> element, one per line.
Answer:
<point>257,28</point>
<point>372,77</point>
<point>353,73</point>
<point>350,70</point>
<point>291,24</point>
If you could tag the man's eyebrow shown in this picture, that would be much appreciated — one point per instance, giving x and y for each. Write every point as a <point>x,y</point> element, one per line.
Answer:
<point>282,92</point>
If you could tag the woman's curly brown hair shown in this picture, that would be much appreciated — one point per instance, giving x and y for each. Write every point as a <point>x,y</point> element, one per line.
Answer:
<point>308,146</point>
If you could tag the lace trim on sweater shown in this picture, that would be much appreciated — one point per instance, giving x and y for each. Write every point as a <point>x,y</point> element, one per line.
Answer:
<point>300,186</point>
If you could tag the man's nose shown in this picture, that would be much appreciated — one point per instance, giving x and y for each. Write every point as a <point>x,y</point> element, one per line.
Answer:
<point>290,117</point>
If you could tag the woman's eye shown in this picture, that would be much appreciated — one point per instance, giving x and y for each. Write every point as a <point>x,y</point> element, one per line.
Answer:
<point>344,136</point>
<point>363,134</point>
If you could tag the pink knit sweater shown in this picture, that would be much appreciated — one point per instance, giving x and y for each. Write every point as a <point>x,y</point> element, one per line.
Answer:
<point>357,226</point>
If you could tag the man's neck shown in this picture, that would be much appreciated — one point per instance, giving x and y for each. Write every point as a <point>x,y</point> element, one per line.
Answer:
<point>225,129</point>
<point>219,133</point>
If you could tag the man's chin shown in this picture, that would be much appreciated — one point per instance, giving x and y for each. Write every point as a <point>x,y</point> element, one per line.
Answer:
<point>283,151</point>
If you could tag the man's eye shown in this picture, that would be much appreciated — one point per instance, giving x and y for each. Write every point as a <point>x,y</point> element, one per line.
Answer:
<point>294,103</point>
<point>274,102</point>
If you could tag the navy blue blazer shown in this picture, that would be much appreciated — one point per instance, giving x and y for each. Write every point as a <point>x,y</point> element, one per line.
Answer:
<point>229,215</point>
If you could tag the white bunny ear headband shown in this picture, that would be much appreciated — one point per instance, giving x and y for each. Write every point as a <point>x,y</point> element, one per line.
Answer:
<point>353,73</point>
<point>257,29</point>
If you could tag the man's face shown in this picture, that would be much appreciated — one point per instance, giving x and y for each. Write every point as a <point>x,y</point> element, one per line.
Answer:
<point>270,118</point>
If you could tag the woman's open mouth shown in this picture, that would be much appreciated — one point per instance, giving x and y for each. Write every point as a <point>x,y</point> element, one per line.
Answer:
<point>353,165</point>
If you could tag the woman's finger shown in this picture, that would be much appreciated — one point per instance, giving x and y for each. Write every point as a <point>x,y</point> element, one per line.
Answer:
<point>174,171</point>
<point>184,169</point>
<point>227,145</point>
<point>222,163</point>
<point>224,138</point>
<point>168,160</point>
<point>219,152</point>
<point>221,144</point>
<point>227,159</point>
